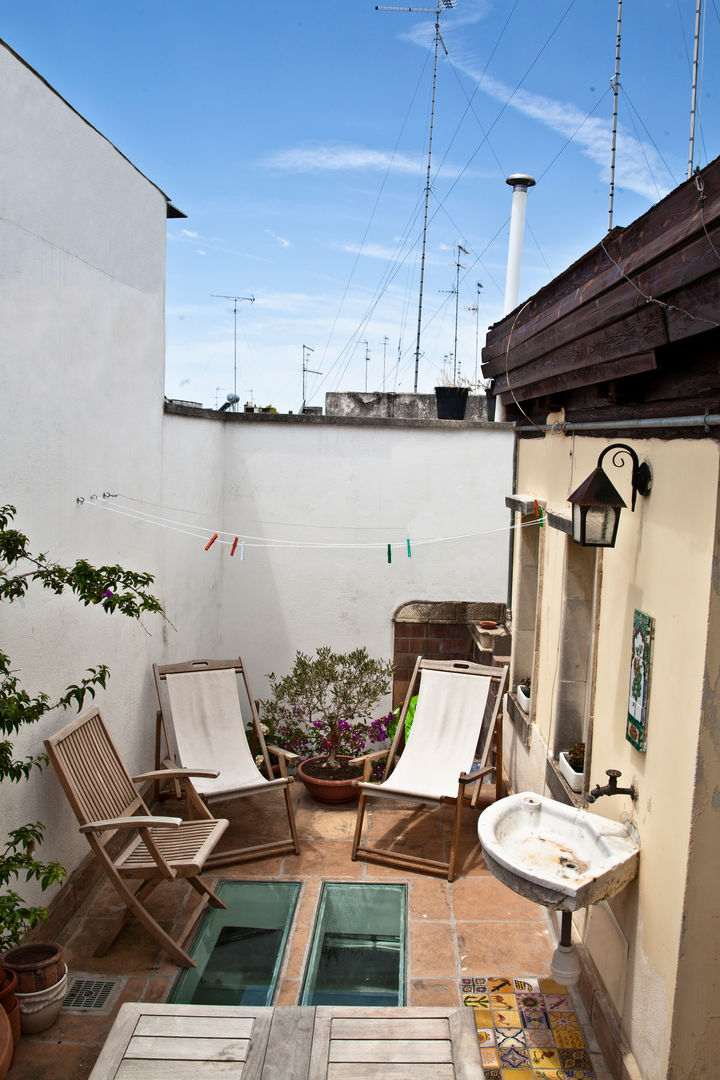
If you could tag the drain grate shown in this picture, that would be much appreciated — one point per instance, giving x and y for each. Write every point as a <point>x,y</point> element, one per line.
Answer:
<point>92,993</point>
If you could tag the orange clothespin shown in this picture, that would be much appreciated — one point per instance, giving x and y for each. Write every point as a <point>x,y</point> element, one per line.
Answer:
<point>211,541</point>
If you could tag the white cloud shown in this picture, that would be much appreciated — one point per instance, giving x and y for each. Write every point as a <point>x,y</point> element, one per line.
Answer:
<point>336,158</point>
<point>373,251</point>
<point>280,240</point>
<point>638,165</point>
<point>188,232</point>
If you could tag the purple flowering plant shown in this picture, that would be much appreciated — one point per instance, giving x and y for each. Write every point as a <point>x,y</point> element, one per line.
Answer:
<point>324,706</point>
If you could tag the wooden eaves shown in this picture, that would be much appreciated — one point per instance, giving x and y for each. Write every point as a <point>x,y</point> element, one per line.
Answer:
<point>631,330</point>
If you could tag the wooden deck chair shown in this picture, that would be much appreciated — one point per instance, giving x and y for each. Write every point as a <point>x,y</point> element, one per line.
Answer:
<point>106,802</point>
<point>200,723</point>
<point>456,719</point>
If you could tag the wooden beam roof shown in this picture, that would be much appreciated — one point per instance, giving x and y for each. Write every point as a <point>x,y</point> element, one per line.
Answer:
<point>633,327</point>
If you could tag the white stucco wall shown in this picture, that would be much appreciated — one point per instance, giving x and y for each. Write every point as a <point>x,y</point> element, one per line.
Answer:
<point>341,485</point>
<point>82,258</point>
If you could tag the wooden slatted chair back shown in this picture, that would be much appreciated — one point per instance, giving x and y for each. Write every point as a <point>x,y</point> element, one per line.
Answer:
<point>91,771</point>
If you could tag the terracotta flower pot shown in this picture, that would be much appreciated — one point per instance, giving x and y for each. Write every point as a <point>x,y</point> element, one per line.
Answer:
<point>8,1001</point>
<point>329,791</point>
<point>7,1046</point>
<point>37,965</point>
<point>40,1010</point>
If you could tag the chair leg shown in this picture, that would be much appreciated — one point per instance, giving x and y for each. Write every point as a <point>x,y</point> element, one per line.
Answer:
<point>358,825</point>
<point>135,907</point>
<point>291,818</point>
<point>205,890</point>
<point>456,837</point>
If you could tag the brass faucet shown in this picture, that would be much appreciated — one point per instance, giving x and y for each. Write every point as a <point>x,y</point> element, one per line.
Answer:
<point>612,787</point>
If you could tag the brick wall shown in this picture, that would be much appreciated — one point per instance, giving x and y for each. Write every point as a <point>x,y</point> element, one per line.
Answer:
<point>435,641</point>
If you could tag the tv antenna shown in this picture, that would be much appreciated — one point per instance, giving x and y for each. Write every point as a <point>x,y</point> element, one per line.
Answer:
<point>440,6</point>
<point>235,299</point>
<point>305,370</point>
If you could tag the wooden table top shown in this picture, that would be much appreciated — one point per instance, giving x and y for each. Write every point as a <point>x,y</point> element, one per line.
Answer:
<point>210,1042</point>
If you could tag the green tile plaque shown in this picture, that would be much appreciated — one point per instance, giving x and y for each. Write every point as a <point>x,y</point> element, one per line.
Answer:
<point>640,670</point>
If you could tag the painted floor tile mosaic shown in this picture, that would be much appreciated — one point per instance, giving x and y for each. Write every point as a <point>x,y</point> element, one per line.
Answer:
<point>527,1029</point>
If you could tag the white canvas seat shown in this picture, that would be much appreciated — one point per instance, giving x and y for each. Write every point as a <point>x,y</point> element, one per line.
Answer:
<point>106,802</point>
<point>200,722</point>
<point>456,719</point>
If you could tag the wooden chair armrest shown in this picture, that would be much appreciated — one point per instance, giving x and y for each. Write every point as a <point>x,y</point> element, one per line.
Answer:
<point>471,777</point>
<point>131,823</point>
<point>175,774</point>
<point>369,757</point>
<point>280,752</point>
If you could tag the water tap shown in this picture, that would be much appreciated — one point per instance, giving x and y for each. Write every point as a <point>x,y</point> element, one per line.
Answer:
<point>612,788</point>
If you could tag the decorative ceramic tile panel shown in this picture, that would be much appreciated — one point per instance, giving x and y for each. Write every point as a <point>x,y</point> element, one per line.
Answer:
<point>527,1029</point>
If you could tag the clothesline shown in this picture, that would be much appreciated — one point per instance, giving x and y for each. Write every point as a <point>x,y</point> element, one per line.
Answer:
<point>232,538</point>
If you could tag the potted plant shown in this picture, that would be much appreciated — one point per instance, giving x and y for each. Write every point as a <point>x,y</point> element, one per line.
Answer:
<point>115,589</point>
<point>322,710</point>
<point>523,695</point>
<point>572,766</point>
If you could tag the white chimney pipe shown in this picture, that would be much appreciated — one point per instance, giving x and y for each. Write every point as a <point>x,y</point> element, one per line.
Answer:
<point>519,182</point>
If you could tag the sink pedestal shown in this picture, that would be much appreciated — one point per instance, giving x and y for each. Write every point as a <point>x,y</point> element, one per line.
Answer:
<point>565,963</point>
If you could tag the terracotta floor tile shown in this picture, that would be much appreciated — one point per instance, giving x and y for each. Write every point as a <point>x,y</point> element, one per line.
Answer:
<point>134,952</point>
<point>484,897</point>
<point>517,948</point>
<point>323,858</point>
<point>476,926</point>
<point>257,868</point>
<point>433,992</point>
<point>34,1059</point>
<point>432,950</point>
<point>429,898</point>
<point>288,993</point>
<point>297,948</point>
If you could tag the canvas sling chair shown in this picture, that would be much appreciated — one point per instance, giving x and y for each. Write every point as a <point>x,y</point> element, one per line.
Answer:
<point>200,723</point>
<point>107,804</point>
<point>455,740</point>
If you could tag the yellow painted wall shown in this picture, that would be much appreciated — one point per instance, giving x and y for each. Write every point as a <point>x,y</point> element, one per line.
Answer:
<point>662,564</point>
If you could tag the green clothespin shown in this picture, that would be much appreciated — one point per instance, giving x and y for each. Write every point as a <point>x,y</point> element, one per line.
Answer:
<point>389,552</point>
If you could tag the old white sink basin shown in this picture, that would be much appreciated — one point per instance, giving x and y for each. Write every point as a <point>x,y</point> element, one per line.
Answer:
<point>554,854</point>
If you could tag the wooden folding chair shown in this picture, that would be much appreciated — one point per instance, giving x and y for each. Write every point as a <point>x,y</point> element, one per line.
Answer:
<point>200,722</point>
<point>455,719</point>
<point>105,800</point>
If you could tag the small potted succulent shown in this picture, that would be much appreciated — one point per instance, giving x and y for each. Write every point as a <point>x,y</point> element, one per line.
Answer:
<point>323,711</point>
<point>523,695</point>
<point>572,766</point>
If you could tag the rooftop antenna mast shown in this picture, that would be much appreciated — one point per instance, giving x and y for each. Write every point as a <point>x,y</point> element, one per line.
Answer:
<point>235,299</point>
<point>615,82</point>
<point>693,99</point>
<point>441,5</point>
<point>458,268</point>
<point>305,369</point>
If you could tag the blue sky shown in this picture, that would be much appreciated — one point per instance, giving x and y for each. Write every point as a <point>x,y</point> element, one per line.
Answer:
<point>294,136</point>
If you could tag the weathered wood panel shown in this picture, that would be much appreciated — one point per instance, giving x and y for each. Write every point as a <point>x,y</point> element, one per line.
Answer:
<point>635,336</point>
<point>532,337</point>
<point>676,222</point>
<point>614,369</point>
<point>176,1048</point>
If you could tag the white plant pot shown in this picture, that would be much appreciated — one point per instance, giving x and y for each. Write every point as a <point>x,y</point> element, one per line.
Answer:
<point>523,697</point>
<point>40,1009</point>
<point>573,779</point>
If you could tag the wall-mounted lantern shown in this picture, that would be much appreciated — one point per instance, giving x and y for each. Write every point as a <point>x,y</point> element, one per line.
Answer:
<point>596,505</point>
